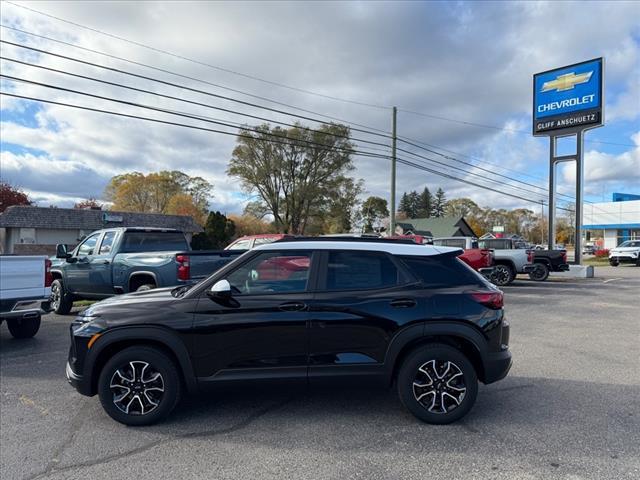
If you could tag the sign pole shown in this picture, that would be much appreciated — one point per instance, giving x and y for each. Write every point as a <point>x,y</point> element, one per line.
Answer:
<point>552,193</point>
<point>579,192</point>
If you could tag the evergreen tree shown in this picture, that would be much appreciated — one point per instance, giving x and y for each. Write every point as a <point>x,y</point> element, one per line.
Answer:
<point>414,204</point>
<point>425,205</point>
<point>404,205</point>
<point>439,204</point>
<point>217,234</point>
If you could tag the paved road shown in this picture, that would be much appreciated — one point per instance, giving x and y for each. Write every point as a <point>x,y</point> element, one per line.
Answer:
<point>570,409</point>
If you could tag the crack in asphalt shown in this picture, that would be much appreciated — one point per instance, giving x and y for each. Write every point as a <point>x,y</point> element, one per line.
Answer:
<point>50,470</point>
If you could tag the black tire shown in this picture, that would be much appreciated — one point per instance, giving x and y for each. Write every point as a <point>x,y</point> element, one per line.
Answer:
<point>61,302</point>
<point>427,406</point>
<point>614,263</point>
<point>23,327</point>
<point>540,273</point>
<point>503,275</point>
<point>129,410</point>
<point>145,287</point>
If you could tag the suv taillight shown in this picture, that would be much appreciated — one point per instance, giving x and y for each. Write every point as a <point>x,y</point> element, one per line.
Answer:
<point>564,256</point>
<point>530,256</point>
<point>48,276</point>
<point>493,299</point>
<point>184,267</point>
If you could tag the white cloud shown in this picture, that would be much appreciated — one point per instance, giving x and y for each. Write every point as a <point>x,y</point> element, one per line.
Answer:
<point>470,61</point>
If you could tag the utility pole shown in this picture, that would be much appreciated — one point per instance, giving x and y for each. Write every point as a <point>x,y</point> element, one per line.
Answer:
<point>392,216</point>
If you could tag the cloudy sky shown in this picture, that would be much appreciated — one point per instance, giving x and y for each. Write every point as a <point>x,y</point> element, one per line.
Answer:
<point>466,67</point>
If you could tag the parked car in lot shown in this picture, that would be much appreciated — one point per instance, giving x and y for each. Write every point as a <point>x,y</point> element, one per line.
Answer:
<point>121,260</point>
<point>589,249</point>
<point>480,259</point>
<point>626,252</point>
<point>509,259</point>
<point>371,311</point>
<point>25,290</point>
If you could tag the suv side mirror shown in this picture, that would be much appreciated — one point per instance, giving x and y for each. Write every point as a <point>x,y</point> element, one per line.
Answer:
<point>61,251</point>
<point>221,290</point>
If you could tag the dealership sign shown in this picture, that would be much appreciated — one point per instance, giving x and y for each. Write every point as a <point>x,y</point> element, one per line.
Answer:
<point>568,98</point>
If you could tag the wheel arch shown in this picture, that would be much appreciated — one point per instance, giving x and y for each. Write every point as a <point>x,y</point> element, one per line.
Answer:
<point>138,278</point>
<point>505,261</point>
<point>117,340</point>
<point>465,338</point>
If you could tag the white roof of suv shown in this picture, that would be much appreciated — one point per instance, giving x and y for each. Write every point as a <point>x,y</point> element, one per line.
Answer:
<point>389,247</point>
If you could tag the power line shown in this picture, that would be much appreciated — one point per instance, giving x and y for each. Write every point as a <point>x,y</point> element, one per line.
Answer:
<point>195,127</point>
<point>177,113</point>
<point>545,190</point>
<point>150,92</point>
<point>494,127</point>
<point>175,85</point>
<point>199,80</point>
<point>198,62</point>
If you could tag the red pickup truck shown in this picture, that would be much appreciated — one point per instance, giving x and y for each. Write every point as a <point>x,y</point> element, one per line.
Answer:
<point>480,259</point>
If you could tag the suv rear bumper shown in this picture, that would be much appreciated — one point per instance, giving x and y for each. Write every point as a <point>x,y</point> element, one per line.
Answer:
<point>563,267</point>
<point>496,366</point>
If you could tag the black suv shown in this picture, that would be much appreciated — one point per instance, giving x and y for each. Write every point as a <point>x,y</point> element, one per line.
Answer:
<point>301,310</point>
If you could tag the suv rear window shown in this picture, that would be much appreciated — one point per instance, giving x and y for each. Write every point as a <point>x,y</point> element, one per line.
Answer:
<point>360,270</point>
<point>442,271</point>
<point>153,242</point>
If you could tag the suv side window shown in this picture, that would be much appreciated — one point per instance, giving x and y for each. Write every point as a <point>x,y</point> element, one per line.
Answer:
<point>88,246</point>
<point>353,270</point>
<point>263,241</point>
<point>441,272</point>
<point>272,272</point>
<point>107,243</point>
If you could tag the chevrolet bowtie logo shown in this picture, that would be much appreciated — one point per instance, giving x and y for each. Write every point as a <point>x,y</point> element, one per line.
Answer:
<point>566,81</point>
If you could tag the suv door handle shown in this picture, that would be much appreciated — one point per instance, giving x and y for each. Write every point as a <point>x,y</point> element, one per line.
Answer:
<point>403,303</point>
<point>292,306</point>
<point>101,262</point>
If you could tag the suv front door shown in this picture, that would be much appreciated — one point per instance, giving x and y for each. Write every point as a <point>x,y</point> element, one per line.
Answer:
<point>363,299</point>
<point>261,331</point>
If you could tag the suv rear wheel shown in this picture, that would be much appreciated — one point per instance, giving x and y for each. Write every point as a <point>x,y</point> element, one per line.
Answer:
<point>437,384</point>
<point>503,275</point>
<point>139,386</point>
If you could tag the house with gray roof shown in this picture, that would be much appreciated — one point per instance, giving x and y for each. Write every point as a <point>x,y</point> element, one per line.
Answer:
<point>437,226</point>
<point>27,230</point>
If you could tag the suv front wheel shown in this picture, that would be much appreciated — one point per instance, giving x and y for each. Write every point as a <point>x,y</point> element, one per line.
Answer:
<point>437,384</point>
<point>139,386</point>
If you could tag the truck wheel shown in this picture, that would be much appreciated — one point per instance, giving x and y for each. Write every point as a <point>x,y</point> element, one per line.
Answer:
<point>438,384</point>
<point>614,263</point>
<point>139,386</point>
<point>145,287</point>
<point>540,273</point>
<point>503,275</point>
<point>23,327</point>
<point>61,302</point>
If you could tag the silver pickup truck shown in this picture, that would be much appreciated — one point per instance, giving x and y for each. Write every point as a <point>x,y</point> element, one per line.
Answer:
<point>510,257</point>
<point>122,260</point>
<point>25,288</point>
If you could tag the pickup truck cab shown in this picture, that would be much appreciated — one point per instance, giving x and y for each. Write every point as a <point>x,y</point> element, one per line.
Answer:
<point>480,259</point>
<point>25,288</point>
<point>122,260</point>
<point>510,258</point>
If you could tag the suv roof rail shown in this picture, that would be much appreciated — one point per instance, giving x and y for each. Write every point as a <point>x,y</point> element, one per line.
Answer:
<point>347,239</point>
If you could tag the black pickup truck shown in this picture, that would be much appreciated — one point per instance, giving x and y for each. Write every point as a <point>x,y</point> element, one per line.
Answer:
<point>122,260</point>
<point>547,261</point>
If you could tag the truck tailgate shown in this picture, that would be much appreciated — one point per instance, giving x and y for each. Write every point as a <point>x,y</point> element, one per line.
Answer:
<point>204,263</point>
<point>22,277</point>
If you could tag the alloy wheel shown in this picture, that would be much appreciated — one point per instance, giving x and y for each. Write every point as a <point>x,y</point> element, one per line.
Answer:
<point>137,388</point>
<point>501,275</point>
<point>439,386</point>
<point>55,296</point>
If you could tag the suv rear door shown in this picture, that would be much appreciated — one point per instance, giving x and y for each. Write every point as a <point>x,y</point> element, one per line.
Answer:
<point>363,299</point>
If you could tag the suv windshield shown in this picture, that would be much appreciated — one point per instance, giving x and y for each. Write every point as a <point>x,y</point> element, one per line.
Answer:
<point>153,242</point>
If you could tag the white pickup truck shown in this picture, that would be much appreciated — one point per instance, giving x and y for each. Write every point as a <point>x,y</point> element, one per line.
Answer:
<point>25,288</point>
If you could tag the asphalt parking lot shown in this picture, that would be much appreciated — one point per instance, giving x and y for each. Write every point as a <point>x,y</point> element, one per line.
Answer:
<point>569,409</point>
